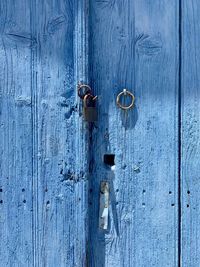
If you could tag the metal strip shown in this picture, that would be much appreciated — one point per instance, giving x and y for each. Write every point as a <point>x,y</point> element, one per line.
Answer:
<point>104,205</point>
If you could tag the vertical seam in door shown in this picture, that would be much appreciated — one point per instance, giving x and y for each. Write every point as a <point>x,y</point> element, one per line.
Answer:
<point>179,132</point>
<point>32,141</point>
<point>34,135</point>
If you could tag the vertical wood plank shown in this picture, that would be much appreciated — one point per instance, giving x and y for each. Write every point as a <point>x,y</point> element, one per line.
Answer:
<point>16,206</point>
<point>61,177</point>
<point>190,141</point>
<point>43,172</point>
<point>134,45</point>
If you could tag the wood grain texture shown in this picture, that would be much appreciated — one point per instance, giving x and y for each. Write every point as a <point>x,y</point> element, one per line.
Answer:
<point>16,190</point>
<point>134,45</point>
<point>190,140</point>
<point>43,175</point>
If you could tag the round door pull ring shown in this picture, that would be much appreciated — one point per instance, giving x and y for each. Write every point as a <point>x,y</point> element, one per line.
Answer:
<point>125,92</point>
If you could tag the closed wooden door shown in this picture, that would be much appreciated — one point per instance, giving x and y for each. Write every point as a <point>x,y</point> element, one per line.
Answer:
<point>52,162</point>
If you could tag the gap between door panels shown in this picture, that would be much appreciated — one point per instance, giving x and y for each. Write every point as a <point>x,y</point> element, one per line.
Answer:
<point>179,131</point>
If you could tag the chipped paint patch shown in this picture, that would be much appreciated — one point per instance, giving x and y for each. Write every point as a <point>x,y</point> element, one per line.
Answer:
<point>23,101</point>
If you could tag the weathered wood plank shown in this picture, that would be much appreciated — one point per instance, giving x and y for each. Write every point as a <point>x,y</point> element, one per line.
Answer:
<point>134,45</point>
<point>16,206</point>
<point>43,174</point>
<point>61,196</point>
<point>190,140</point>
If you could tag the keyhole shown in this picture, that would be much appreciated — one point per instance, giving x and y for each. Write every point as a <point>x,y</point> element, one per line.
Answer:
<point>109,159</point>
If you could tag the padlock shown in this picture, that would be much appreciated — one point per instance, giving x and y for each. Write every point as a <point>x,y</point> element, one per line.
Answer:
<point>89,108</point>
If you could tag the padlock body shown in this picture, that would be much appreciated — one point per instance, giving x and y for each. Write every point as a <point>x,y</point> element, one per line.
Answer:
<point>90,114</point>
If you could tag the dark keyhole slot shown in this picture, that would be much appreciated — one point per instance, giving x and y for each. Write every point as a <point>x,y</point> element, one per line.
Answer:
<point>109,159</point>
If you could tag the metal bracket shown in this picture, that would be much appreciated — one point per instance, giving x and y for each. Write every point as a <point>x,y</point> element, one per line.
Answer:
<point>104,205</point>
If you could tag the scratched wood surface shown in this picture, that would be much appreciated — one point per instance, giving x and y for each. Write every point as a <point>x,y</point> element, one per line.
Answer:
<point>16,190</point>
<point>44,145</point>
<point>190,140</point>
<point>43,183</point>
<point>134,45</point>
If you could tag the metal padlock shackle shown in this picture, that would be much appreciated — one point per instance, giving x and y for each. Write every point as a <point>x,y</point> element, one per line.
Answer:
<point>93,98</point>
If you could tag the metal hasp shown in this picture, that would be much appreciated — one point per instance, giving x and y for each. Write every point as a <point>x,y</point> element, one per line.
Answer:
<point>104,205</point>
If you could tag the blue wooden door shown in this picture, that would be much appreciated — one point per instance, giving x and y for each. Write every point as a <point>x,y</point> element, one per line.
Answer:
<point>52,162</point>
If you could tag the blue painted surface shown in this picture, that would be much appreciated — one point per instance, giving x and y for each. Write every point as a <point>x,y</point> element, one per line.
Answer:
<point>190,153</point>
<point>43,203</point>
<point>134,45</point>
<point>51,162</point>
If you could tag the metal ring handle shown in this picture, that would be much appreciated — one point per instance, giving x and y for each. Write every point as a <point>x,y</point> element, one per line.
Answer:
<point>125,92</point>
<point>87,89</point>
